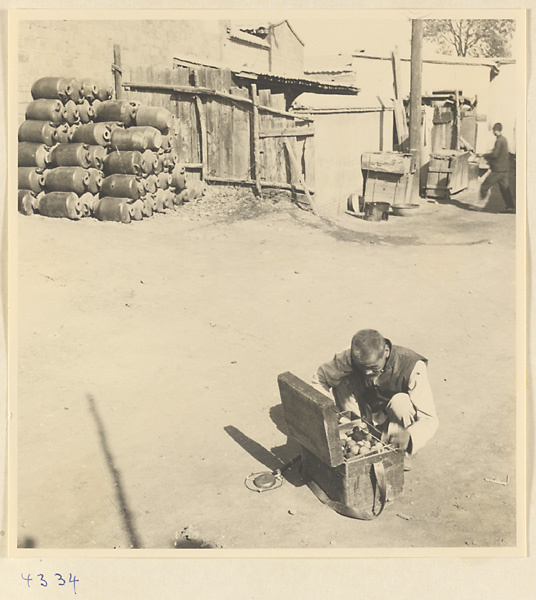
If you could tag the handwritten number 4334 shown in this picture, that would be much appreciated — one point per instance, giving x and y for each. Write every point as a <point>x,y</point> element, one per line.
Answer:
<point>60,580</point>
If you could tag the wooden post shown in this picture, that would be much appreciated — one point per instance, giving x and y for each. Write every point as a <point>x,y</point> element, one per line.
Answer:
<point>202,130</point>
<point>301,179</point>
<point>118,73</point>
<point>395,58</point>
<point>255,129</point>
<point>415,103</point>
<point>457,108</point>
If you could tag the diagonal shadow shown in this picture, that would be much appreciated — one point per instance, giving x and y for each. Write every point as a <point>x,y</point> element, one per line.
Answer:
<point>274,459</point>
<point>125,512</point>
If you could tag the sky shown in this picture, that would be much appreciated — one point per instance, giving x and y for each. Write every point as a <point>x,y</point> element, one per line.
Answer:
<point>374,35</point>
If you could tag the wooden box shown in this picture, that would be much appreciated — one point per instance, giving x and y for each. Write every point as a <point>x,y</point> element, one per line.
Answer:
<point>313,421</point>
<point>448,173</point>
<point>387,177</point>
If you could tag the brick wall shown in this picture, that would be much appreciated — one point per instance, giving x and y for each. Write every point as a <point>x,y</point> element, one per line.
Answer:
<point>85,48</point>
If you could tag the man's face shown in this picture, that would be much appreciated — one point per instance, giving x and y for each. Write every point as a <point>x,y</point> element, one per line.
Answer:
<point>496,133</point>
<point>373,365</point>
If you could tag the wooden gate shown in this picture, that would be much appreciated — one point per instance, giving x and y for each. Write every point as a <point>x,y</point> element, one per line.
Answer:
<point>225,133</point>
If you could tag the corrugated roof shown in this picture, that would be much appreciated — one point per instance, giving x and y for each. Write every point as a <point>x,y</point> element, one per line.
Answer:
<point>297,81</point>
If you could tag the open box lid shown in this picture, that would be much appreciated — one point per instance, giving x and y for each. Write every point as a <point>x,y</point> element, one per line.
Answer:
<point>312,419</point>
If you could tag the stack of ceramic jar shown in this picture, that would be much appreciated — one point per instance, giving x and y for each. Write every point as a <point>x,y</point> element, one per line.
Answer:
<point>83,154</point>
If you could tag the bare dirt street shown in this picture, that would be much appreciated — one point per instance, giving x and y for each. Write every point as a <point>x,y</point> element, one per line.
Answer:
<point>149,354</point>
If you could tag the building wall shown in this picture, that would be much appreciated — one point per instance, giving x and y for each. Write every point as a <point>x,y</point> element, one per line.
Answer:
<point>502,107</point>
<point>473,80</point>
<point>495,98</point>
<point>340,140</point>
<point>85,48</point>
<point>246,56</point>
<point>287,51</point>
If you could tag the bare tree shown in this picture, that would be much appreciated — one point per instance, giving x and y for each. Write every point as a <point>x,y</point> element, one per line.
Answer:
<point>472,37</point>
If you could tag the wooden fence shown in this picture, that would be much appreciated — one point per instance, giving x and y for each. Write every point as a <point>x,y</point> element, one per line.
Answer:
<point>228,133</point>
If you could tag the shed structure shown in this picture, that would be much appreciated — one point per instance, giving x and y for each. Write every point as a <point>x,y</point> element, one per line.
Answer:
<point>345,128</point>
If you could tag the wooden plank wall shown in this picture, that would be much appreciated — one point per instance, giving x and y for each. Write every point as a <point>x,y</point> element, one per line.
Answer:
<point>228,126</point>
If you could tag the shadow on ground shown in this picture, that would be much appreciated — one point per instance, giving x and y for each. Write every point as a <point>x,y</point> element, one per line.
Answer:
<point>274,459</point>
<point>125,512</point>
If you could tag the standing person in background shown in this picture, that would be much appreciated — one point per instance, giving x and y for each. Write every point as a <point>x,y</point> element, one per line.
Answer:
<point>499,162</point>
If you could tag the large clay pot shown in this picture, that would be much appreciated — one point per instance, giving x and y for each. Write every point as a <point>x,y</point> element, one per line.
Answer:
<point>67,179</point>
<point>166,142</point>
<point>148,206</point>
<point>45,109</point>
<point>168,197</point>
<point>184,196</point>
<point>41,132</point>
<point>149,162</point>
<point>136,210</point>
<point>52,87</point>
<point>123,111</point>
<point>153,136</point>
<point>104,91</point>
<point>26,200</point>
<point>158,203</point>
<point>178,178</point>
<point>72,129</point>
<point>62,133</point>
<point>60,204</point>
<point>172,159</point>
<point>127,139</point>
<point>179,199</point>
<point>87,201</point>
<point>164,180</point>
<point>70,155</point>
<point>97,154</point>
<point>71,114</point>
<point>95,180</point>
<point>123,162</point>
<point>112,209</point>
<point>122,186</point>
<point>113,125</point>
<point>151,184</point>
<point>196,188</point>
<point>31,178</point>
<point>154,116</point>
<point>86,112</point>
<point>32,154</point>
<point>76,90</point>
<point>93,134</point>
<point>89,89</point>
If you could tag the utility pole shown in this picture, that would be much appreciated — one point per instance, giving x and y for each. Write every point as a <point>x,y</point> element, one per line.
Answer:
<point>415,103</point>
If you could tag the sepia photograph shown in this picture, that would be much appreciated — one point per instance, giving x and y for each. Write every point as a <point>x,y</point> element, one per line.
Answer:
<point>267,283</point>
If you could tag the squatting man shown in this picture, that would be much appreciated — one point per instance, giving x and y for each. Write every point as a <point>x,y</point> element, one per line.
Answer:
<point>386,385</point>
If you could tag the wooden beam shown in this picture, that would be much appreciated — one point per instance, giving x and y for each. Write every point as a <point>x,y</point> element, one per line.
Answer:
<point>204,91</point>
<point>297,166</point>
<point>287,132</point>
<point>200,109</point>
<point>255,127</point>
<point>118,73</point>
<point>395,57</point>
<point>265,184</point>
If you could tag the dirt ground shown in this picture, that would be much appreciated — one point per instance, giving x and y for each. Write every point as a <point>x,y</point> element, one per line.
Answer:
<point>149,354</point>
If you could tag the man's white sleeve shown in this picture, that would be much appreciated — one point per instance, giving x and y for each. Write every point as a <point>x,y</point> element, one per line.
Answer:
<point>426,420</point>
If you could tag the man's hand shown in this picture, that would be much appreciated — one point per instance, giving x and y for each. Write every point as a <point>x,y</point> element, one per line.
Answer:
<point>398,436</point>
